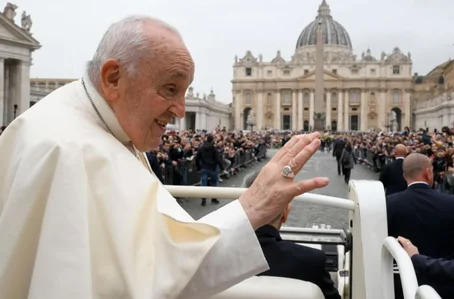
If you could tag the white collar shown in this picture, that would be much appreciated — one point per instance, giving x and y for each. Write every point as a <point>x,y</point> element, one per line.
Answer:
<point>106,113</point>
<point>417,182</point>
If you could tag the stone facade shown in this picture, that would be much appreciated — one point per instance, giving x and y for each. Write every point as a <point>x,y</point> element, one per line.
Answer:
<point>433,99</point>
<point>356,93</point>
<point>204,113</point>
<point>16,47</point>
<point>40,87</point>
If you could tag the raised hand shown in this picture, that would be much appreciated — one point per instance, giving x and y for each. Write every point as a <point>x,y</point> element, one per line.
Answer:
<point>271,191</point>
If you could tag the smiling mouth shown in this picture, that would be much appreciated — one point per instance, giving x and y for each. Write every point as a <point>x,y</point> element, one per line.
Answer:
<point>161,123</point>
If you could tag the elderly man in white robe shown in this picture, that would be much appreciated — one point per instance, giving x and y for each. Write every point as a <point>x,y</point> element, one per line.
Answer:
<point>82,215</point>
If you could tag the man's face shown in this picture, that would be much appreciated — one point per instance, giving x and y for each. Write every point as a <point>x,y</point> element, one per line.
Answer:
<point>146,102</point>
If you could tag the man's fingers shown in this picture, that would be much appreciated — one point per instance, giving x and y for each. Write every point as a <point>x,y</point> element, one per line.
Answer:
<point>309,185</point>
<point>301,159</point>
<point>297,147</point>
<point>283,151</point>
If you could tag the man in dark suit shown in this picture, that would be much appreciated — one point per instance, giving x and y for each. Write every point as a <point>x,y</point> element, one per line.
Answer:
<point>440,272</point>
<point>422,214</point>
<point>338,147</point>
<point>287,259</point>
<point>392,175</point>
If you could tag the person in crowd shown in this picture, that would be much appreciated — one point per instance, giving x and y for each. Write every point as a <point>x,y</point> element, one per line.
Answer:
<point>435,272</point>
<point>154,164</point>
<point>439,164</point>
<point>420,213</point>
<point>392,174</point>
<point>287,259</point>
<point>338,147</point>
<point>209,161</point>
<point>83,216</point>
<point>348,161</point>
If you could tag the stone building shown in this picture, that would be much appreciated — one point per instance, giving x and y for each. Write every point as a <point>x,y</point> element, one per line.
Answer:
<point>433,98</point>
<point>40,87</point>
<point>323,85</point>
<point>204,113</point>
<point>16,47</point>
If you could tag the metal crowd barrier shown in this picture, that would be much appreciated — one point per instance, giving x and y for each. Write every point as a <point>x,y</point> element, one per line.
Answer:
<point>186,174</point>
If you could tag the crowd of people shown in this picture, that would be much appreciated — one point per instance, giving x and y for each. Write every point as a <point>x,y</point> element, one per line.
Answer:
<point>180,158</point>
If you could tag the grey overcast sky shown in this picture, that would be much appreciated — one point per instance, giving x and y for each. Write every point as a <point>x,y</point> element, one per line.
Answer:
<point>216,30</point>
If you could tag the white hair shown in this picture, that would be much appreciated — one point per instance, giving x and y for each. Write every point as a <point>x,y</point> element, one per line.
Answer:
<point>125,41</point>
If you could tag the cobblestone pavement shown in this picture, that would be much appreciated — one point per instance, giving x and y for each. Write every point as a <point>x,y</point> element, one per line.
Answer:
<point>302,214</point>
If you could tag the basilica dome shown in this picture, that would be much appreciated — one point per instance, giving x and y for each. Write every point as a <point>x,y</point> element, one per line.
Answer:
<point>334,34</point>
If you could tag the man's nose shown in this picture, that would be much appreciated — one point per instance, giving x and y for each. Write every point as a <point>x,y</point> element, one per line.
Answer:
<point>179,109</point>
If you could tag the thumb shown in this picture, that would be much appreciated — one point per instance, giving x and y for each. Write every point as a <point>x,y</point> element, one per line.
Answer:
<point>305,186</point>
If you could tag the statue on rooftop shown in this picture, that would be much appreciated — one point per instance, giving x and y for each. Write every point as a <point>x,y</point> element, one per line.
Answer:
<point>10,11</point>
<point>26,21</point>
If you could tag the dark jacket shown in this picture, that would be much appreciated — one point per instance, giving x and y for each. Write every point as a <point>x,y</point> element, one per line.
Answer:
<point>290,260</point>
<point>155,167</point>
<point>424,216</point>
<point>438,273</point>
<point>338,146</point>
<point>209,158</point>
<point>392,177</point>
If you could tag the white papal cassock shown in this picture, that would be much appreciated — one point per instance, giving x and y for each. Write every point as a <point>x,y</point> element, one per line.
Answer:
<point>82,218</point>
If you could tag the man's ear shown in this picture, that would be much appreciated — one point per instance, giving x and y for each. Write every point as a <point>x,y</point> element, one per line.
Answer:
<point>110,79</point>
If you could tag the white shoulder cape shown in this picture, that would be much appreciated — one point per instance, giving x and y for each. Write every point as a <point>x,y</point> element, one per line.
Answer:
<point>80,217</point>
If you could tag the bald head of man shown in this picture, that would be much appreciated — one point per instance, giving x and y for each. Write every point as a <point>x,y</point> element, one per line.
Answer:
<point>400,151</point>
<point>418,168</point>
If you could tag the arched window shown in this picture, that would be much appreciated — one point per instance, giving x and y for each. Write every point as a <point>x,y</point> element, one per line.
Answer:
<point>396,97</point>
<point>306,99</point>
<point>248,98</point>
<point>372,98</point>
<point>354,96</point>
<point>268,99</point>
<point>287,97</point>
<point>334,98</point>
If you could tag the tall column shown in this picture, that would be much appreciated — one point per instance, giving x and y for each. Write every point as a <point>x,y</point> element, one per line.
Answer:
<point>259,118</point>
<point>382,115</point>
<point>407,110</point>
<point>339,110</point>
<point>294,110</point>
<point>238,107</point>
<point>2,91</point>
<point>182,125</point>
<point>319,84</point>
<point>363,110</point>
<point>300,110</point>
<point>347,110</point>
<point>204,121</point>
<point>277,111</point>
<point>328,110</point>
<point>198,121</point>
<point>23,86</point>
<point>311,111</point>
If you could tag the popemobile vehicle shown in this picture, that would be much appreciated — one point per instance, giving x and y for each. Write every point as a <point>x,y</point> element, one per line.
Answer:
<point>362,265</point>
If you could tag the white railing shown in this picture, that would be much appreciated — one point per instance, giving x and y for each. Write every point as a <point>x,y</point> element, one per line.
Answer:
<point>426,292</point>
<point>232,193</point>
<point>371,274</point>
<point>393,250</point>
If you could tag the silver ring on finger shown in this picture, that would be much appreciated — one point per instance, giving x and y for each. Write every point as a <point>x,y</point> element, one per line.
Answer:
<point>287,172</point>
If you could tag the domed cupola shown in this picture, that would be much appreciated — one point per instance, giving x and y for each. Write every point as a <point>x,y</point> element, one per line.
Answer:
<point>334,34</point>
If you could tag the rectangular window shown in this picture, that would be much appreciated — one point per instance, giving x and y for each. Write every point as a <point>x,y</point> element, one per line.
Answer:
<point>396,70</point>
<point>286,73</point>
<point>248,71</point>
<point>269,73</point>
<point>287,98</point>
<point>372,72</point>
<point>334,71</point>
<point>306,72</point>
<point>354,72</point>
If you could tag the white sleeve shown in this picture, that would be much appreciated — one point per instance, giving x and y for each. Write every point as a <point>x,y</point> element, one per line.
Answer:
<point>237,254</point>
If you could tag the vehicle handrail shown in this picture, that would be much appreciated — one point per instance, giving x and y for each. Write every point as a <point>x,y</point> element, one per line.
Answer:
<point>427,292</point>
<point>393,250</point>
<point>231,192</point>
